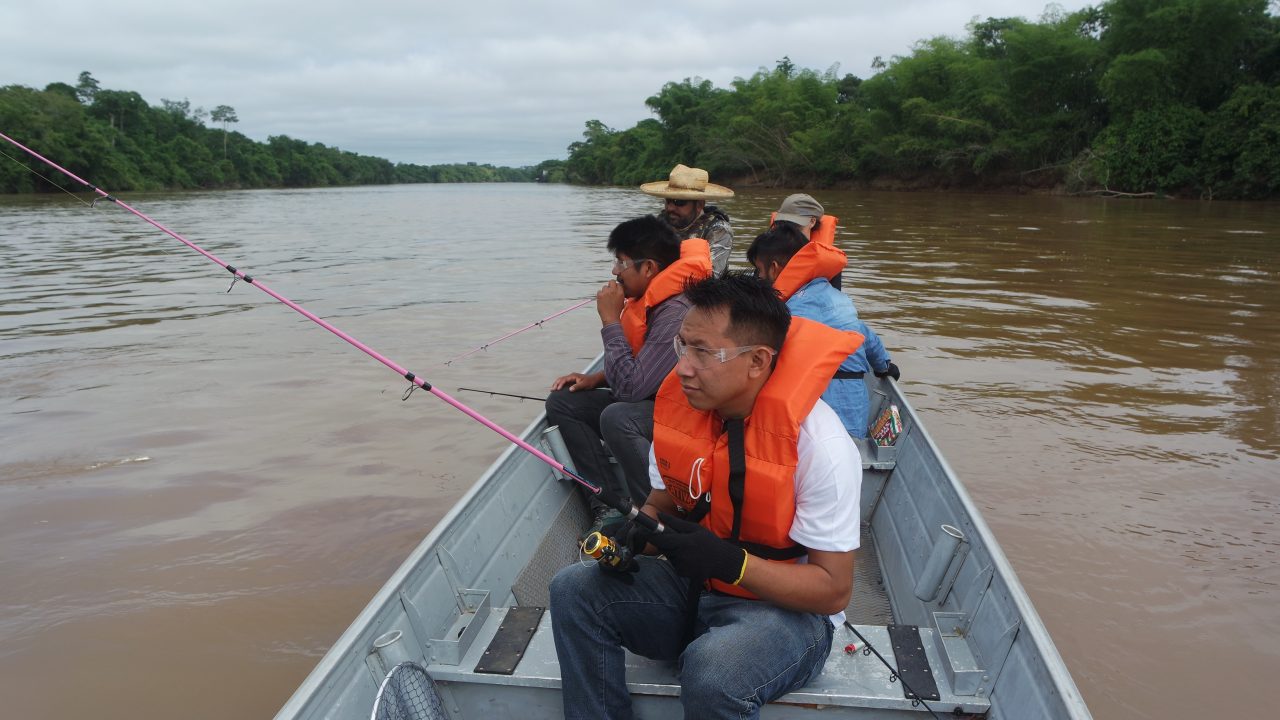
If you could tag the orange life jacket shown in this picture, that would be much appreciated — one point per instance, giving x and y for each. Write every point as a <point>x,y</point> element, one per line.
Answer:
<point>694,263</point>
<point>692,450</point>
<point>824,233</point>
<point>810,262</point>
<point>818,259</point>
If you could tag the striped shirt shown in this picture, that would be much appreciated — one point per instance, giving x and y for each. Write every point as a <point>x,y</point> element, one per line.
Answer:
<point>633,378</point>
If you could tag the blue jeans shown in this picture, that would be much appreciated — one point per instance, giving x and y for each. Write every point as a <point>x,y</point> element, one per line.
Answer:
<point>744,653</point>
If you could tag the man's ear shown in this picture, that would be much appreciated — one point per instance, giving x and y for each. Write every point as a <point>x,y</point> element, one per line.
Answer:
<point>761,361</point>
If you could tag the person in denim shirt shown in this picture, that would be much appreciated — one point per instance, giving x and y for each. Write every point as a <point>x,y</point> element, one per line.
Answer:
<point>799,270</point>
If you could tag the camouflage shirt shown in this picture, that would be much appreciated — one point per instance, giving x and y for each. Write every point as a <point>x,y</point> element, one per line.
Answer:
<point>714,227</point>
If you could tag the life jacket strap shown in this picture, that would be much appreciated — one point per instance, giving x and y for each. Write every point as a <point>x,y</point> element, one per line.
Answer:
<point>737,473</point>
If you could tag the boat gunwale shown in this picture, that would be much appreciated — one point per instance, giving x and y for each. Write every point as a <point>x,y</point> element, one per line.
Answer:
<point>1053,661</point>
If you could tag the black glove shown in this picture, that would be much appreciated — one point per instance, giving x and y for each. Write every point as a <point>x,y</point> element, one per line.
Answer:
<point>697,553</point>
<point>891,371</point>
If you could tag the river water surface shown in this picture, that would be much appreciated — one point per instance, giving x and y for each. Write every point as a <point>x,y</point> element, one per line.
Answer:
<point>199,489</point>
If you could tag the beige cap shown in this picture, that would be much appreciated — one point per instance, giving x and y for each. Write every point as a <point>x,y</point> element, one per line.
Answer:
<point>799,208</point>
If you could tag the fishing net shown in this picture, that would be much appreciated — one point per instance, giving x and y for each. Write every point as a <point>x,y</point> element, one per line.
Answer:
<point>408,693</point>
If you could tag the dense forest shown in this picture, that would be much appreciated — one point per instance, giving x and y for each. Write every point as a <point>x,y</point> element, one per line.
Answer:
<point>114,139</point>
<point>1129,97</point>
<point>1165,97</point>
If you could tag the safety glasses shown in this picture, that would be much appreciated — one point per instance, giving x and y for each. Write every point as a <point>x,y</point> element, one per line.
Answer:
<point>703,358</point>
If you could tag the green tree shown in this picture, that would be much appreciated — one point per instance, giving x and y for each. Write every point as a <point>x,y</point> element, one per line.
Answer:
<point>594,159</point>
<point>121,143</point>
<point>62,88</point>
<point>1241,153</point>
<point>1153,150</point>
<point>640,155</point>
<point>771,125</point>
<point>1051,72</point>
<point>1139,80</point>
<point>1203,44</point>
<point>688,112</point>
<point>124,112</point>
<point>86,88</point>
<point>224,114</point>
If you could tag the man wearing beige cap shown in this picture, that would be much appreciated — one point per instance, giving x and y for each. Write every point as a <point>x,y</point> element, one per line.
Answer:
<point>802,210</point>
<point>686,192</point>
<point>806,214</point>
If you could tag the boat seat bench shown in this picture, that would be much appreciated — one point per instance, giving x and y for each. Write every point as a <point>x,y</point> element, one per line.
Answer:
<point>848,680</point>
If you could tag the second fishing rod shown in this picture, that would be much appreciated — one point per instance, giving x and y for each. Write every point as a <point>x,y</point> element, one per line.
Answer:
<point>602,493</point>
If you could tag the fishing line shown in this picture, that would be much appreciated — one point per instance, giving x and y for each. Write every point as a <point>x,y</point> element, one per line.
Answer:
<point>491,393</point>
<point>513,333</point>
<point>29,169</point>
<point>605,496</point>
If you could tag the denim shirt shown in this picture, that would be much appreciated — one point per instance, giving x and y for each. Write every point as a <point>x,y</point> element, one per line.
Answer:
<point>822,303</point>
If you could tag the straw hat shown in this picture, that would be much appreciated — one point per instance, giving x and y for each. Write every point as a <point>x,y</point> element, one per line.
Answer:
<point>687,183</point>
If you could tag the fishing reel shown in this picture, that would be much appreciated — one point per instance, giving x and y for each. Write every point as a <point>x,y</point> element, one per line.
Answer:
<point>607,551</point>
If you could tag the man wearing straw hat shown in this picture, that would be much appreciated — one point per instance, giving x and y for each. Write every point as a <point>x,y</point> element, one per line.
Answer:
<point>686,192</point>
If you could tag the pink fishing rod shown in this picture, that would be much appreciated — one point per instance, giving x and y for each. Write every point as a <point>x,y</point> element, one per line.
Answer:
<point>513,333</point>
<point>606,497</point>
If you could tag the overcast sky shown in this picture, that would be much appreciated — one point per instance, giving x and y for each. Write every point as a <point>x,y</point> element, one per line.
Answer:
<point>428,82</point>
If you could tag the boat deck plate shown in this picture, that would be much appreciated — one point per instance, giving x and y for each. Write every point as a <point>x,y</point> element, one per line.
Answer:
<point>913,664</point>
<point>509,643</point>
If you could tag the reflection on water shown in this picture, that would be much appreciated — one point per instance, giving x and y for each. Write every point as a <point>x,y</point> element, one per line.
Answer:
<point>200,489</point>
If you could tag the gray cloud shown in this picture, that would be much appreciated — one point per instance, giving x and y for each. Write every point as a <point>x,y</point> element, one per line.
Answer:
<point>506,83</point>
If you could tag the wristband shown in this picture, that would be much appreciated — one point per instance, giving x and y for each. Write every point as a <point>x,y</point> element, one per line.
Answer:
<point>743,571</point>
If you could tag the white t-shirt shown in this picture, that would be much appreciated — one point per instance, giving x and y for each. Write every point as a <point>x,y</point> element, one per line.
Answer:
<point>828,483</point>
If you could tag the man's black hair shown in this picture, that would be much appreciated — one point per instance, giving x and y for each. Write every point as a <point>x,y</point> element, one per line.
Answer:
<point>646,238</point>
<point>777,244</point>
<point>757,315</point>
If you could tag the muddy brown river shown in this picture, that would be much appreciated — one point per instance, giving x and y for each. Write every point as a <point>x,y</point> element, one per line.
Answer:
<point>199,489</point>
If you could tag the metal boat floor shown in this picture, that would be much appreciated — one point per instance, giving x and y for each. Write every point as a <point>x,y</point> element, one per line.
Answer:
<point>848,680</point>
<point>870,602</point>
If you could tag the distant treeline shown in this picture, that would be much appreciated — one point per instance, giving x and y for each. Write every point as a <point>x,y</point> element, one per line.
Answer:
<point>1128,97</point>
<point>115,140</point>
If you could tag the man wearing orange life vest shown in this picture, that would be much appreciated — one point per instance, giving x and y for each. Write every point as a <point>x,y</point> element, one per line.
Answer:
<point>806,214</point>
<point>798,269</point>
<point>640,311</point>
<point>758,485</point>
